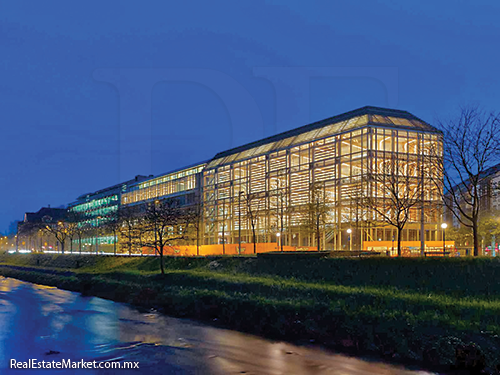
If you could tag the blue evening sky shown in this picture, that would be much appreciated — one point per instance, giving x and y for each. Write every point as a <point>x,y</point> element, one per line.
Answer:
<point>93,93</point>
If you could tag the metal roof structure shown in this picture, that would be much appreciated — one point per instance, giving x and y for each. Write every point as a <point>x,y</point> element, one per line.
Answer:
<point>365,116</point>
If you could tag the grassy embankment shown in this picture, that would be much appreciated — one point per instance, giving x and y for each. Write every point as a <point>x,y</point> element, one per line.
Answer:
<point>402,309</point>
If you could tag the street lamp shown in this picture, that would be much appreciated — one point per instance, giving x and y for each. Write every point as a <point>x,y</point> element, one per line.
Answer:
<point>239,221</point>
<point>349,238</point>
<point>444,226</point>
<point>278,235</point>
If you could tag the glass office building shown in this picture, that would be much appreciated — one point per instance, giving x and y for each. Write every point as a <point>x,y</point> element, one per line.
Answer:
<point>182,183</point>
<point>94,210</point>
<point>270,187</point>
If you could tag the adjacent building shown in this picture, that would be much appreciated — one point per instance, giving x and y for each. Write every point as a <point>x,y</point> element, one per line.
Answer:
<point>93,210</point>
<point>183,184</point>
<point>489,207</point>
<point>30,235</point>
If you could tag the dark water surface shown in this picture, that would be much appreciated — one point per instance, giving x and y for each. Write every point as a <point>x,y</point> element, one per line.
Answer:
<point>45,323</point>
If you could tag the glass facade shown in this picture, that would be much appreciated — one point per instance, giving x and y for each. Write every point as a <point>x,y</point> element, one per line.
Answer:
<point>272,185</point>
<point>163,186</point>
<point>95,211</point>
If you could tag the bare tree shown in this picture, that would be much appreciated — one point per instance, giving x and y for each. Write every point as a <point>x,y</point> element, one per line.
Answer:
<point>279,192</point>
<point>317,211</point>
<point>395,192</point>
<point>253,202</point>
<point>72,229</point>
<point>224,216</point>
<point>194,216</point>
<point>80,232</point>
<point>166,223</point>
<point>356,195</point>
<point>59,229</point>
<point>75,227</point>
<point>78,228</point>
<point>113,224</point>
<point>129,220</point>
<point>26,230</point>
<point>471,145</point>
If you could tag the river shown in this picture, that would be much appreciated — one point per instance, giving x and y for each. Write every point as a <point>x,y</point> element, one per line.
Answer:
<point>50,324</point>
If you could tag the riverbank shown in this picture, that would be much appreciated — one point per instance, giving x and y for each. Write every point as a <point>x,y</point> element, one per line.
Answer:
<point>421,311</point>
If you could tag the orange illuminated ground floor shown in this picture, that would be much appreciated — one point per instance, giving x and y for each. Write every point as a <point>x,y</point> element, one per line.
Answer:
<point>409,248</point>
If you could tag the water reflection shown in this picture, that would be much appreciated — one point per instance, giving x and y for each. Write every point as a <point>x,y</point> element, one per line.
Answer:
<point>51,324</point>
<point>6,284</point>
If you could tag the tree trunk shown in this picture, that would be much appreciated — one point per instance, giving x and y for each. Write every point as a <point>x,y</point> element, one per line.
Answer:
<point>62,246</point>
<point>114,242</point>
<point>198,239</point>
<point>162,268</point>
<point>254,239</point>
<point>399,241</point>
<point>129,242</point>
<point>475,234</point>
<point>318,240</point>
<point>223,239</point>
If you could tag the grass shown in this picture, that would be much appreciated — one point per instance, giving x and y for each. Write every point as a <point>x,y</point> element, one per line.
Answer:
<point>401,308</point>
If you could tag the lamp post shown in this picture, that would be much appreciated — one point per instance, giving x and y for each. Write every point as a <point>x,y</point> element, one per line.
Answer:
<point>278,237</point>
<point>444,226</point>
<point>349,238</point>
<point>239,222</point>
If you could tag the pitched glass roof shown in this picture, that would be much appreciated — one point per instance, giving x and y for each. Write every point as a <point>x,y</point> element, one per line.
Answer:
<point>331,126</point>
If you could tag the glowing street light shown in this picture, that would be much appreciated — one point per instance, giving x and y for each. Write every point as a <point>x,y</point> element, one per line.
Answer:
<point>444,226</point>
<point>239,222</point>
<point>349,238</point>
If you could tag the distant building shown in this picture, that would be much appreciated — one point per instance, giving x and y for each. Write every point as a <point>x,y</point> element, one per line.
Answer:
<point>489,196</point>
<point>94,210</point>
<point>489,188</point>
<point>30,230</point>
